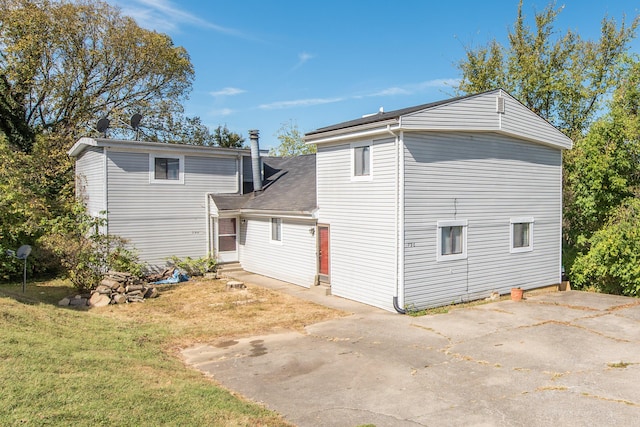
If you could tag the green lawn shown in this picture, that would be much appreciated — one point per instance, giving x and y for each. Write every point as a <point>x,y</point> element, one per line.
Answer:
<point>62,366</point>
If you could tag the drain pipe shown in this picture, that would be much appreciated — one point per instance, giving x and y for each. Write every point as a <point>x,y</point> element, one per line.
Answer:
<point>398,229</point>
<point>255,160</point>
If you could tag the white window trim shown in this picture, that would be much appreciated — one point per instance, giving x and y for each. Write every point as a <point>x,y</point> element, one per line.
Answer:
<point>152,167</point>
<point>451,223</point>
<point>520,220</point>
<point>276,242</point>
<point>352,150</point>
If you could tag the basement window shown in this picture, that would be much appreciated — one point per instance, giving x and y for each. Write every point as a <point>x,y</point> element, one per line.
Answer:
<point>166,169</point>
<point>451,240</point>
<point>521,234</point>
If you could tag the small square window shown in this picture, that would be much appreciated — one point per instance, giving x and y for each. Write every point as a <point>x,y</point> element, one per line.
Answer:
<point>276,229</point>
<point>452,240</point>
<point>521,234</point>
<point>166,169</point>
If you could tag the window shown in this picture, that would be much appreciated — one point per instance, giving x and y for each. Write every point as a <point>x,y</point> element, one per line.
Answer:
<point>521,234</point>
<point>166,169</point>
<point>452,240</point>
<point>276,229</point>
<point>361,161</point>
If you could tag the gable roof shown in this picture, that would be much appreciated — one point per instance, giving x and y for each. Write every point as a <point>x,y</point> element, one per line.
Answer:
<point>383,116</point>
<point>470,113</point>
<point>289,186</point>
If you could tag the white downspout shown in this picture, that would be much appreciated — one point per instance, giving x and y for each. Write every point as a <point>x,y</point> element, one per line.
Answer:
<point>398,298</point>
<point>207,205</point>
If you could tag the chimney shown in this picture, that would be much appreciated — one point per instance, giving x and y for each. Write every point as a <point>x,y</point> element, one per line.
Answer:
<point>255,160</point>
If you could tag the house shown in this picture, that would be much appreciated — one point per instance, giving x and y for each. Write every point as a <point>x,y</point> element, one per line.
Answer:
<point>156,195</point>
<point>419,207</point>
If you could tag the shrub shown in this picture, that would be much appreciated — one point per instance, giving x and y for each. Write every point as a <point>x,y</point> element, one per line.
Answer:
<point>195,266</point>
<point>86,252</point>
<point>612,263</point>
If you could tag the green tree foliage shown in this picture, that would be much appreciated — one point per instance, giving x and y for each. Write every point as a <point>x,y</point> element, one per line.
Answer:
<point>291,142</point>
<point>603,179</point>
<point>559,76</point>
<point>64,64</point>
<point>612,263</point>
<point>223,137</point>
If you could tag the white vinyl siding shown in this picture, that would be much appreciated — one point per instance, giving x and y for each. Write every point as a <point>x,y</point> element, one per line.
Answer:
<point>362,218</point>
<point>164,220</point>
<point>293,260</point>
<point>487,179</point>
<point>91,180</point>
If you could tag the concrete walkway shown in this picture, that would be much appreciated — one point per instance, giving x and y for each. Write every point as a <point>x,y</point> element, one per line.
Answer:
<point>564,358</point>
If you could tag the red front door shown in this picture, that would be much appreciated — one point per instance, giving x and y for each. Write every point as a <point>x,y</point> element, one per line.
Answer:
<point>323,253</point>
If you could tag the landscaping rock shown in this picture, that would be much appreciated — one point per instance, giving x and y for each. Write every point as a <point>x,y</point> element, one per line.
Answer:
<point>64,302</point>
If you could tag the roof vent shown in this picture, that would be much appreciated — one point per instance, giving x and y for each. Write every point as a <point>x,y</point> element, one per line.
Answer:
<point>380,111</point>
<point>499,104</point>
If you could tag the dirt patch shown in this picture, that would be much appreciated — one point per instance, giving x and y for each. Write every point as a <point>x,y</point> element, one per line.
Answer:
<point>205,310</point>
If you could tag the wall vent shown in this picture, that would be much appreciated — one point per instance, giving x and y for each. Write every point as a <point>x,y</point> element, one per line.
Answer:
<point>499,104</point>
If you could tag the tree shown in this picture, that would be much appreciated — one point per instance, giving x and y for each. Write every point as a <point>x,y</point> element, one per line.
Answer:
<point>223,137</point>
<point>603,201</point>
<point>561,77</point>
<point>64,64</point>
<point>291,142</point>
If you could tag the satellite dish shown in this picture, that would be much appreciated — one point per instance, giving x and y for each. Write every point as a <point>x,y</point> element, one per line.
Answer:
<point>103,125</point>
<point>135,121</point>
<point>23,252</point>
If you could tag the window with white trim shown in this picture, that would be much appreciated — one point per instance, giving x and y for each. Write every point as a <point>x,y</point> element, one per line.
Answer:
<point>521,234</point>
<point>361,161</point>
<point>166,169</point>
<point>276,229</point>
<point>451,240</point>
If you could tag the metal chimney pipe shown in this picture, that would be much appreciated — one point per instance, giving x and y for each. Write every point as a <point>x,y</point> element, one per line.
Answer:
<point>255,159</point>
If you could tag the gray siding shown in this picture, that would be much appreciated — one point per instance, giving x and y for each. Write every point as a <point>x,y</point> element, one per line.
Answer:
<point>519,120</point>
<point>160,219</point>
<point>474,113</point>
<point>485,179</point>
<point>292,260</point>
<point>362,218</point>
<point>91,180</point>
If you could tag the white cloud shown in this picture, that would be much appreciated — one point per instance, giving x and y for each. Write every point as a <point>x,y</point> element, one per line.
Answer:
<point>222,112</point>
<point>414,88</point>
<point>227,91</point>
<point>299,103</point>
<point>302,59</point>
<point>164,16</point>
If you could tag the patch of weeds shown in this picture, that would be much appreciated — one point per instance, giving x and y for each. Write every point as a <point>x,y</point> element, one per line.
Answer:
<point>619,364</point>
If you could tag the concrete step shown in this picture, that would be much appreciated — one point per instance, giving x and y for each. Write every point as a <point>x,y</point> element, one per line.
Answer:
<point>225,270</point>
<point>321,289</point>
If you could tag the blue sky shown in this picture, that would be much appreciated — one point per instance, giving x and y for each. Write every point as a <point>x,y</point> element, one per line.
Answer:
<point>259,64</point>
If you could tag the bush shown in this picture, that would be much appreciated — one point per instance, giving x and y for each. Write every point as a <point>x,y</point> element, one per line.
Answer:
<point>195,266</point>
<point>87,253</point>
<point>612,263</point>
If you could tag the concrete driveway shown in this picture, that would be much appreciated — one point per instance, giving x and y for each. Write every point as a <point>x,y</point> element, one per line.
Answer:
<point>565,358</point>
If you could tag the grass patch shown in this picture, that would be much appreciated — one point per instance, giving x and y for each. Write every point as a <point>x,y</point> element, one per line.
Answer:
<point>117,365</point>
<point>453,306</point>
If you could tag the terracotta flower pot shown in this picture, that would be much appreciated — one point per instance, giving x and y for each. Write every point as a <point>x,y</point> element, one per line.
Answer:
<point>516,294</point>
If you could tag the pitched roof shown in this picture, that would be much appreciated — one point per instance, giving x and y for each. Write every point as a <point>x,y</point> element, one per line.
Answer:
<point>290,185</point>
<point>389,115</point>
